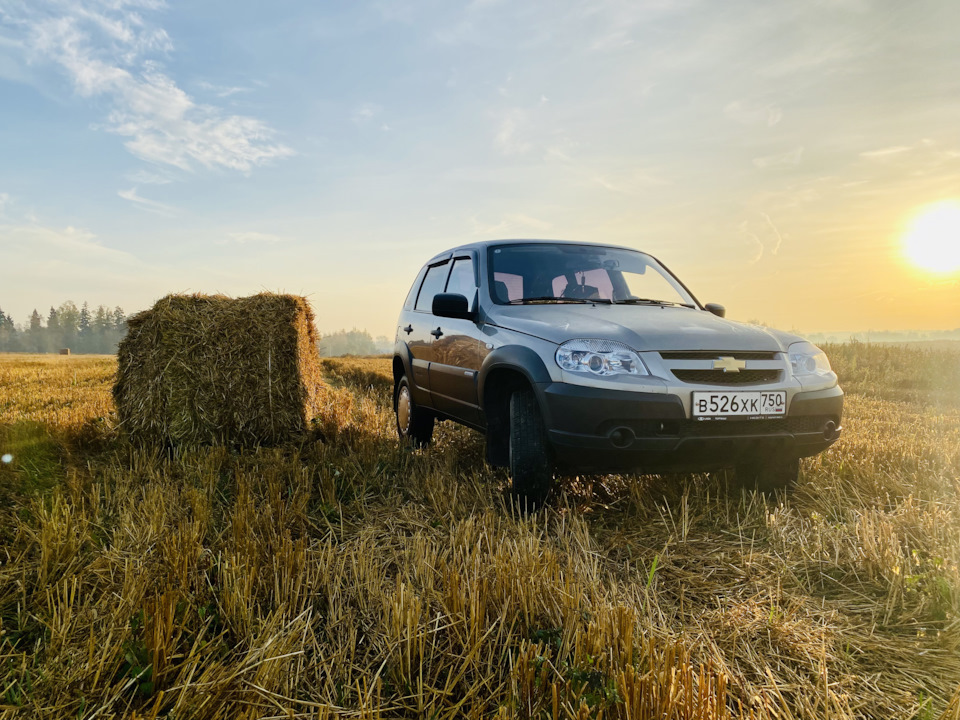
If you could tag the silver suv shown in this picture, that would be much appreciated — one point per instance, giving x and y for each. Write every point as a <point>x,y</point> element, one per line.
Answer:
<point>576,357</point>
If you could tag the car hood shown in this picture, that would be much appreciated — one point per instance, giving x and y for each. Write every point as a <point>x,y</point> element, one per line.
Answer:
<point>641,327</point>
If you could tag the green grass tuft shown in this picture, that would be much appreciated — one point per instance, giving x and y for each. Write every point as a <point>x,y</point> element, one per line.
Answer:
<point>37,462</point>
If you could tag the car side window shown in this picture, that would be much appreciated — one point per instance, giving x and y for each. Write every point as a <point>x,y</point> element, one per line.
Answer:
<point>432,284</point>
<point>462,280</point>
<point>412,295</point>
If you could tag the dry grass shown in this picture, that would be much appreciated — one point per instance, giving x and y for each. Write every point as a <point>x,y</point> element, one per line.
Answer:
<point>924,373</point>
<point>354,578</point>
<point>365,372</point>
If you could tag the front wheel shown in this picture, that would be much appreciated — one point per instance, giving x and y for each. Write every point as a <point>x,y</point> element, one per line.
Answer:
<point>768,476</point>
<point>414,424</point>
<point>531,467</point>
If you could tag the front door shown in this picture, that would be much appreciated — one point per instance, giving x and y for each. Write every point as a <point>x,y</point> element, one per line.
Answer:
<point>420,324</point>
<point>456,351</point>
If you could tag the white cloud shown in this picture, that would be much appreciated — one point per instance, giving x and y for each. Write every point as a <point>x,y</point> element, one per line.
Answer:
<point>149,177</point>
<point>508,139</point>
<point>556,152</point>
<point>32,243</point>
<point>885,152</point>
<point>365,113</point>
<point>792,157</point>
<point>146,204</point>
<point>748,114</point>
<point>763,239</point>
<point>632,183</point>
<point>223,91</point>
<point>47,263</point>
<point>251,238</point>
<point>815,58</point>
<point>104,47</point>
<point>755,241</point>
<point>776,232</point>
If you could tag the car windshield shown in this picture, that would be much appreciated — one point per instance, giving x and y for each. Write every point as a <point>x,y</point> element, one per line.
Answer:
<point>545,272</point>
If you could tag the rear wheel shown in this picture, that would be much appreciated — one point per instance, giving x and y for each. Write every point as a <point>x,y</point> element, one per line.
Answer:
<point>531,467</point>
<point>769,476</point>
<point>414,424</point>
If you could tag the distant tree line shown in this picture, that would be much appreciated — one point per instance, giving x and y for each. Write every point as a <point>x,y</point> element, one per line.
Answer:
<point>98,331</point>
<point>353,342</point>
<point>81,330</point>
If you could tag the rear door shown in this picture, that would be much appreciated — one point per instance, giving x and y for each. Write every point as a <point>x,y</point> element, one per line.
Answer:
<point>456,349</point>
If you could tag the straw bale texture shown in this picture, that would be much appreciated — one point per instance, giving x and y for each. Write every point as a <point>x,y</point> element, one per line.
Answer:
<point>208,369</point>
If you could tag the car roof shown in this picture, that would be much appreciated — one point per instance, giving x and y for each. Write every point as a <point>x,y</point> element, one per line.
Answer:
<point>484,244</point>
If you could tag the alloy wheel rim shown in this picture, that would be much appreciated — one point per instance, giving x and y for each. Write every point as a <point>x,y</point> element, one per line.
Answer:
<point>404,410</point>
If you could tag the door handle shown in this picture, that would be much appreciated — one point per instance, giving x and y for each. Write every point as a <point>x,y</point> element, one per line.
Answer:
<point>437,333</point>
<point>408,329</point>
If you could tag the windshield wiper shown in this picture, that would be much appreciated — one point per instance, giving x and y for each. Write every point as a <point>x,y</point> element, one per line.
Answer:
<point>552,299</point>
<point>651,301</point>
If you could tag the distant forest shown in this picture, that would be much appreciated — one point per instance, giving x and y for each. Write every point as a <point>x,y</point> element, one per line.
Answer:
<point>98,331</point>
<point>81,330</point>
<point>354,342</point>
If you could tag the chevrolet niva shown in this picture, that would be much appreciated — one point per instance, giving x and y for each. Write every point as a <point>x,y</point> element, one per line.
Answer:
<point>584,358</point>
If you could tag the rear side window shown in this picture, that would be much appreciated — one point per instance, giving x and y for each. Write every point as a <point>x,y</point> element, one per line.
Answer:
<point>462,280</point>
<point>432,284</point>
<point>412,295</point>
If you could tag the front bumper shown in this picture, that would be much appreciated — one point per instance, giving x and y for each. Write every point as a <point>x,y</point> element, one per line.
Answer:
<point>601,430</point>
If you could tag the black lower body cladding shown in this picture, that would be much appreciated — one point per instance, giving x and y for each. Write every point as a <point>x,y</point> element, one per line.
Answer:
<point>597,430</point>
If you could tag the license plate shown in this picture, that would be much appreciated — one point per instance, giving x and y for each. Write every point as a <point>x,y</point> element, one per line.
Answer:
<point>751,404</point>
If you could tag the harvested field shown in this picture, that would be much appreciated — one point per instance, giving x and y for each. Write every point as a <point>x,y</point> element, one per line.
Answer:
<point>354,578</point>
<point>366,372</point>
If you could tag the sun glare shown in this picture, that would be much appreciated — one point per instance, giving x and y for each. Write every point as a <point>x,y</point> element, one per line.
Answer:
<point>932,240</point>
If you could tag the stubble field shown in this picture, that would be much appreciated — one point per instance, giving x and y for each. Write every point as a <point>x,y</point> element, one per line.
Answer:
<point>357,578</point>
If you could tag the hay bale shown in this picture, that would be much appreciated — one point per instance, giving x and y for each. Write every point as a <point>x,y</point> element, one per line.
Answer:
<point>208,369</point>
<point>64,351</point>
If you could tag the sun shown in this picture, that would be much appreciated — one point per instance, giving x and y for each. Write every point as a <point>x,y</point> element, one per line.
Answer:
<point>932,240</point>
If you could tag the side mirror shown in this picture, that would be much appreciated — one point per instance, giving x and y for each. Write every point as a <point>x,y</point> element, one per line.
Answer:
<point>451,305</point>
<point>716,309</point>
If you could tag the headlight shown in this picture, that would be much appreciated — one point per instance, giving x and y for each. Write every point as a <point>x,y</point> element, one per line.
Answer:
<point>599,357</point>
<point>806,359</point>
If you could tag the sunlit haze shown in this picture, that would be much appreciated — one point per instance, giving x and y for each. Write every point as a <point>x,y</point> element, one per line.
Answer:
<point>933,240</point>
<point>797,162</point>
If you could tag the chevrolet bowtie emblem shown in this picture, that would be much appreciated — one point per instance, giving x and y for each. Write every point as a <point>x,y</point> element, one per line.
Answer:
<point>729,364</point>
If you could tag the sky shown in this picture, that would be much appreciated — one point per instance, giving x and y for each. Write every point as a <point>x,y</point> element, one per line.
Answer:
<point>772,154</point>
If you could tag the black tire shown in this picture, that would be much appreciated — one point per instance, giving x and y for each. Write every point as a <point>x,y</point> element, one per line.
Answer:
<point>531,466</point>
<point>414,424</point>
<point>768,476</point>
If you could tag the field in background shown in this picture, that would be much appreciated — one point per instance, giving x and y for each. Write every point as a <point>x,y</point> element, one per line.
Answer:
<point>355,578</point>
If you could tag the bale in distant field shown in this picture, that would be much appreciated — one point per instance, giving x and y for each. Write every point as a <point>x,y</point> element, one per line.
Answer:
<point>64,351</point>
<point>208,369</point>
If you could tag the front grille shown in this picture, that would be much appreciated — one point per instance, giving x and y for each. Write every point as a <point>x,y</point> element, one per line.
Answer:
<point>714,354</point>
<point>719,377</point>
